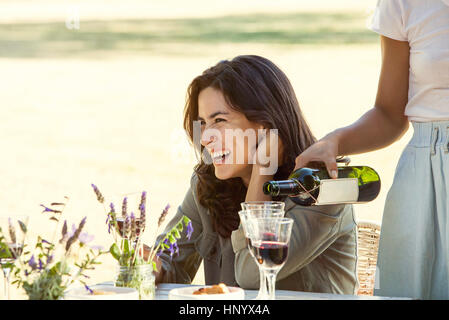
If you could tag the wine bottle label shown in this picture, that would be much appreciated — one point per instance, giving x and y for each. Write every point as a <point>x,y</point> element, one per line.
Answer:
<point>333,191</point>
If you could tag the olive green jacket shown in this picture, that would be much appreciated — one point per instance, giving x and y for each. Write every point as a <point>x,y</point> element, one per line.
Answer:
<point>321,256</point>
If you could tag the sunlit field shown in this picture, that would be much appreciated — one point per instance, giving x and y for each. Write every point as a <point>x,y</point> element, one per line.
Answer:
<point>103,103</point>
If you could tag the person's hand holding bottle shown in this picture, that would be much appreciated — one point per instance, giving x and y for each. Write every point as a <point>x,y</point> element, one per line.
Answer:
<point>324,150</point>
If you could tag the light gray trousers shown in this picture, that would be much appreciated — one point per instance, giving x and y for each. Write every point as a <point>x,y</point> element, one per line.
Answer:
<point>414,242</point>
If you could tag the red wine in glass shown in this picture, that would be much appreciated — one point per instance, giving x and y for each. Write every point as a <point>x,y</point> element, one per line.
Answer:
<point>121,225</point>
<point>266,236</point>
<point>251,248</point>
<point>271,254</point>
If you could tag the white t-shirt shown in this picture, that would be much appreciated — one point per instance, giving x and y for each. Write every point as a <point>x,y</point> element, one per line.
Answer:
<point>425,25</point>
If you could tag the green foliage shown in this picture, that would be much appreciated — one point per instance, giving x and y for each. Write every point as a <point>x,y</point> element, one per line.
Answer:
<point>192,36</point>
<point>5,253</point>
<point>42,278</point>
<point>52,267</point>
<point>169,241</point>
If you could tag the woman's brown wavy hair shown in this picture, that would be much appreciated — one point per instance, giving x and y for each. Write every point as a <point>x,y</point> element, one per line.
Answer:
<point>257,88</point>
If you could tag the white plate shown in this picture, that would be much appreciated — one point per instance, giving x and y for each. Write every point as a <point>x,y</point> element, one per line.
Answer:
<point>186,293</point>
<point>121,293</point>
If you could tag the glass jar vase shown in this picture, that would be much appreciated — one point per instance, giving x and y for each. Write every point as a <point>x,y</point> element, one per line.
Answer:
<point>140,277</point>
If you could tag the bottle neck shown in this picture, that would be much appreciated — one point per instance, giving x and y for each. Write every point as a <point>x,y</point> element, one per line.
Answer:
<point>282,188</point>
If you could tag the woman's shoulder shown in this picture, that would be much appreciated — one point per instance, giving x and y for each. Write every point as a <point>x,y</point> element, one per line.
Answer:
<point>194,179</point>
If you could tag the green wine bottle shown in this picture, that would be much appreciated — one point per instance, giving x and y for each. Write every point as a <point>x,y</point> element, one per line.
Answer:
<point>306,186</point>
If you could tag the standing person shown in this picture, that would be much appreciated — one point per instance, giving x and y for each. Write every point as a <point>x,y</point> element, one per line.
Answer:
<point>413,87</point>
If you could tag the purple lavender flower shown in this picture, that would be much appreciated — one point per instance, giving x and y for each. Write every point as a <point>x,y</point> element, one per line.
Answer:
<point>32,263</point>
<point>75,235</point>
<point>111,218</point>
<point>108,223</point>
<point>124,207</point>
<point>100,197</point>
<point>142,209</point>
<point>85,238</point>
<point>133,226</point>
<point>64,231</point>
<point>126,227</point>
<point>163,215</point>
<point>46,209</point>
<point>88,289</point>
<point>143,198</point>
<point>189,230</point>
<point>175,246</point>
<point>12,230</point>
<point>171,249</point>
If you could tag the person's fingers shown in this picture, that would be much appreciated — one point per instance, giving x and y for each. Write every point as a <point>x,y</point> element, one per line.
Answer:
<point>321,151</point>
<point>331,166</point>
<point>300,162</point>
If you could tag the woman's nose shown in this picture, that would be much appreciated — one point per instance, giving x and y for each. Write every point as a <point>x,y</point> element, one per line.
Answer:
<point>208,136</point>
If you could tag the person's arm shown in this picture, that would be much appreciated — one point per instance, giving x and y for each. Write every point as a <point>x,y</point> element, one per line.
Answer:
<point>182,266</point>
<point>384,124</point>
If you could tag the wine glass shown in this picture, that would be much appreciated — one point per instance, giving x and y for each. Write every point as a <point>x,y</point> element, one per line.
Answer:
<point>269,239</point>
<point>128,208</point>
<point>270,208</point>
<point>12,238</point>
<point>258,213</point>
<point>267,205</point>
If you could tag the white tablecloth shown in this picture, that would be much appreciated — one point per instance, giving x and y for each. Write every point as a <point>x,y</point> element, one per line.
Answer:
<point>163,289</point>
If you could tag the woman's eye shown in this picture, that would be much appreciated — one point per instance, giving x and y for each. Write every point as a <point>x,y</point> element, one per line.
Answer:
<point>219,120</point>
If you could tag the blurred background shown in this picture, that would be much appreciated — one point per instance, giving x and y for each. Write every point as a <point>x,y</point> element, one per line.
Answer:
<point>93,91</point>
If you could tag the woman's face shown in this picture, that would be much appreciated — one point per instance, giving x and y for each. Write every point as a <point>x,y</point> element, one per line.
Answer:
<point>229,137</point>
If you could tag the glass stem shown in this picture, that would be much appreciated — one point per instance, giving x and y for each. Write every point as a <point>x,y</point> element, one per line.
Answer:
<point>270,275</point>
<point>262,295</point>
<point>6,273</point>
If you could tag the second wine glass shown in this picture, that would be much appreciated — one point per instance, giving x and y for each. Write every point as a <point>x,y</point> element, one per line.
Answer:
<point>270,238</point>
<point>258,213</point>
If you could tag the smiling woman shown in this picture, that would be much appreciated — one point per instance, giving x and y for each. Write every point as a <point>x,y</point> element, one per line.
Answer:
<point>231,104</point>
<point>244,95</point>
